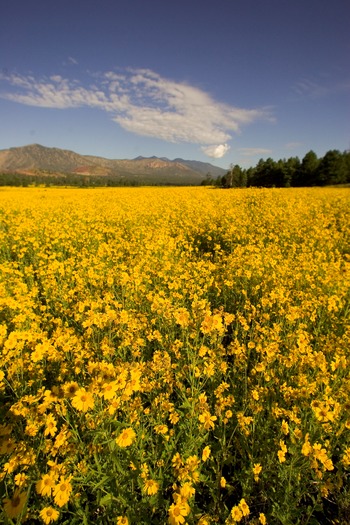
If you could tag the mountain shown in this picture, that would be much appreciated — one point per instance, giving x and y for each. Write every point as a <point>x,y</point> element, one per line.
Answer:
<point>203,167</point>
<point>37,160</point>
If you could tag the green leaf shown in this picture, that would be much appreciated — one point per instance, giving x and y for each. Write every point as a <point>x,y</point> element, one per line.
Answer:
<point>106,501</point>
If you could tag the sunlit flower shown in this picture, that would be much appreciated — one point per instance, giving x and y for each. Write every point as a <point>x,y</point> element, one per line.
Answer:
<point>285,427</point>
<point>177,461</point>
<point>45,485</point>
<point>186,491</point>
<point>49,514</point>
<point>256,471</point>
<point>50,426</point>
<point>177,513</point>
<point>244,507</point>
<point>150,487</point>
<point>161,429</point>
<point>126,437</point>
<point>306,449</point>
<point>20,479</point>
<point>281,456</point>
<point>192,462</point>
<point>205,453</point>
<point>62,492</point>
<point>83,400</point>
<point>207,420</point>
<point>262,518</point>
<point>236,514</point>
<point>174,417</point>
<point>108,390</point>
<point>122,520</point>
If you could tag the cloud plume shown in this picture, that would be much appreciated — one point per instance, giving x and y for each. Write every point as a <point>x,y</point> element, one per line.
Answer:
<point>216,151</point>
<point>141,102</point>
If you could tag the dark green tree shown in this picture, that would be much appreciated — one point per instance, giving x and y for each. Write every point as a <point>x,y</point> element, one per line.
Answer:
<point>307,174</point>
<point>347,165</point>
<point>291,171</point>
<point>236,177</point>
<point>332,168</point>
<point>265,174</point>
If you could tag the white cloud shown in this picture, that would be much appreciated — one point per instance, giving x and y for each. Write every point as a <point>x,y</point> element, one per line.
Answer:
<point>216,151</point>
<point>251,152</point>
<point>144,103</point>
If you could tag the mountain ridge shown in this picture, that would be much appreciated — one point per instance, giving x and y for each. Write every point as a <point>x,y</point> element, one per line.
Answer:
<point>34,159</point>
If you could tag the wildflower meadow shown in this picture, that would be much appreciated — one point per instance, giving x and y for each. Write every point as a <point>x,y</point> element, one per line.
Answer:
<point>174,356</point>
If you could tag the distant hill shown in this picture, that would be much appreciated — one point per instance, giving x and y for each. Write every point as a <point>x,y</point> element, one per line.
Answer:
<point>35,160</point>
<point>195,165</point>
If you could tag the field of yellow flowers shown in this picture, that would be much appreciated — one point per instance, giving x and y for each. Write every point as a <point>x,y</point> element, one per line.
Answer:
<point>174,355</point>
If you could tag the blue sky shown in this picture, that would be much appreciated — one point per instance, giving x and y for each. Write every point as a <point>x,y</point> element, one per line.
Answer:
<point>224,81</point>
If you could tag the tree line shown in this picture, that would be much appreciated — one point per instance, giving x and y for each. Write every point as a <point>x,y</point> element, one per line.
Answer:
<point>333,168</point>
<point>68,180</point>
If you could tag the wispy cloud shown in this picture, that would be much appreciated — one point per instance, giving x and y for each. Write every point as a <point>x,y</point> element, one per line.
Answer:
<point>320,88</point>
<point>70,61</point>
<point>141,102</point>
<point>252,152</point>
<point>310,88</point>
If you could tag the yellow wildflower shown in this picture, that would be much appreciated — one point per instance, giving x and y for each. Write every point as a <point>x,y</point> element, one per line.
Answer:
<point>161,429</point>
<point>150,487</point>
<point>207,420</point>
<point>285,427</point>
<point>14,506</point>
<point>177,513</point>
<point>281,456</point>
<point>108,390</point>
<point>306,449</point>
<point>7,446</point>
<point>262,518</point>
<point>45,485</point>
<point>244,507</point>
<point>49,514</point>
<point>205,453</point>
<point>122,520</point>
<point>50,426</point>
<point>62,492</point>
<point>236,514</point>
<point>70,388</point>
<point>187,491</point>
<point>346,457</point>
<point>256,471</point>
<point>126,437</point>
<point>83,400</point>
<point>20,479</point>
<point>174,417</point>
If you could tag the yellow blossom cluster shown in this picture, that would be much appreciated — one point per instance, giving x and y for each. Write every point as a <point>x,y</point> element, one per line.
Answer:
<point>174,355</point>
